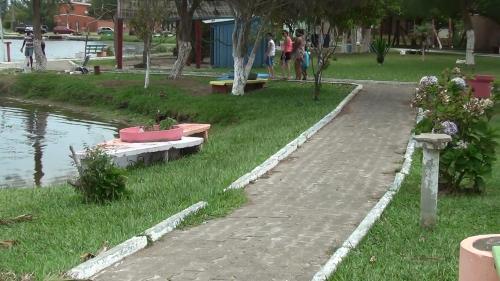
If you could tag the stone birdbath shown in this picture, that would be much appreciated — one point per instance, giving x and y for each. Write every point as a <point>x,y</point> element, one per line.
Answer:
<point>431,144</point>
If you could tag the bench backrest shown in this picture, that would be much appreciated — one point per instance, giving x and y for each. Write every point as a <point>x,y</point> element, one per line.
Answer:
<point>94,49</point>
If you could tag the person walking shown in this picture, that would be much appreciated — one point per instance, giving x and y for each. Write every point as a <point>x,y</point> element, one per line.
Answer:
<point>270,53</point>
<point>286,54</point>
<point>298,51</point>
<point>28,51</point>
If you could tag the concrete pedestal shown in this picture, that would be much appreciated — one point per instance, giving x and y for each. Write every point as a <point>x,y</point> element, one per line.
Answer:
<point>431,144</point>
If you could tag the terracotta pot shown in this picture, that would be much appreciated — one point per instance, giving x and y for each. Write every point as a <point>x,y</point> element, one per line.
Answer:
<point>476,259</point>
<point>137,134</point>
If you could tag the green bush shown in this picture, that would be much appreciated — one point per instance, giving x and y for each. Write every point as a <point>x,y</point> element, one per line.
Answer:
<point>161,48</point>
<point>380,47</point>
<point>167,123</point>
<point>100,180</point>
<point>450,108</point>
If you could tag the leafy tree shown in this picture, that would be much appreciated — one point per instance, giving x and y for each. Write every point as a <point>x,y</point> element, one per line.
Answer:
<point>150,13</point>
<point>249,22</point>
<point>104,9</point>
<point>22,11</point>
<point>463,9</point>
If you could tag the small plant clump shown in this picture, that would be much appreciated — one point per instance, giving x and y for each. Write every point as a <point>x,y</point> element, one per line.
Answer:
<point>100,180</point>
<point>450,108</point>
<point>167,123</point>
<point>380,47</point>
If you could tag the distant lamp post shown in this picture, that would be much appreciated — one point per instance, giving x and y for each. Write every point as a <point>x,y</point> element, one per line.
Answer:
<point>431,144</point>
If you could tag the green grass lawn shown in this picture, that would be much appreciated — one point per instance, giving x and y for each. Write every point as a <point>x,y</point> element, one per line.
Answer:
<point>409,68</point>
<point>404,68</point>
<point>396,248</point>
<point>246,131</point>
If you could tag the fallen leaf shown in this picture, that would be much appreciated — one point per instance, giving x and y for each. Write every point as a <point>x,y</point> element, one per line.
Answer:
<point>87,256</point>
<point>104,248</point>
<point>21,218</point>
<point>8,243</point>
<point>373,259</point>
<point>27,277</point>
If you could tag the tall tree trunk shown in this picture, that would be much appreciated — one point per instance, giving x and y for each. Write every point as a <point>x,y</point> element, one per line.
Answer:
<point>240,77</point>
<point>41,60</point>
<point>469,30</point>
<point>366,34</point>
<point>241,32</point>
<point>239,37</point>
<point>183,35</point>
<point>147,65</point>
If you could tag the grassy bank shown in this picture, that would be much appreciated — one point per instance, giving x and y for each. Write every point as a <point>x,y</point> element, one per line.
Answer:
<point>246,131</point>
<point>396,248</point>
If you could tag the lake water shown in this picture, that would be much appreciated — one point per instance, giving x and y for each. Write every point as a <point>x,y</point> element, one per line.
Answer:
<point>35,140</point>
<point>68,49</point>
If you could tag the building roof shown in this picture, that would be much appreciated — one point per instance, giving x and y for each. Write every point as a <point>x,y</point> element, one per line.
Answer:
<point>208,10</point>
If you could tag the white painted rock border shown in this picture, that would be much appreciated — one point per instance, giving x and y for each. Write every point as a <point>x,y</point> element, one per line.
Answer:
<point>360,232</point>
<point>274,160</point>
<point>93,266</point>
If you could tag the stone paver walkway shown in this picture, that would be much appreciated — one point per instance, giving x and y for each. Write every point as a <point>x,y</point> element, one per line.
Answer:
<point>298,214</point>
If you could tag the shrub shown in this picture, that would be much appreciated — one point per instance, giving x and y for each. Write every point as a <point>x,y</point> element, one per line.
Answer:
<point>450,108</point>
<point>167,123</point>
<point>100,180</point>
<point>380,47</point>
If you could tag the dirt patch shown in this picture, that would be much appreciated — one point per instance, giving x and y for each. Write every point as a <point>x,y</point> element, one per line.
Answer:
<point>119,83</point>
<point>192,86</point>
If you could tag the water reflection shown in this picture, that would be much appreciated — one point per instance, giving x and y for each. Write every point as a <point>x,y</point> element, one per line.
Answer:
<point>36,124</point>
<point>35,140</point>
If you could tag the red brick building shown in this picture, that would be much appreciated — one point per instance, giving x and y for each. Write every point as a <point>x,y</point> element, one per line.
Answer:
<point>75,15</point>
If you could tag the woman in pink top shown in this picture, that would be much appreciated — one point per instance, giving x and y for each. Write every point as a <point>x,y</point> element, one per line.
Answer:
<point>286,53</point>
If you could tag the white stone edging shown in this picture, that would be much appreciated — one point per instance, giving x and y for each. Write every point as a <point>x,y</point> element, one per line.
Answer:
<point>91,267</point>
<point>288,149</point>
<point>360,232</point>
<point>164,227</point>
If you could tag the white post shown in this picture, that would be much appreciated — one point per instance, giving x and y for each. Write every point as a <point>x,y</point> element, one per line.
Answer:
<point>431,144</point>
<point>4,57</point>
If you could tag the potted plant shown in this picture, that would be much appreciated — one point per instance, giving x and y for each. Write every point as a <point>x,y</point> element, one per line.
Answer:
<point>166,130</point>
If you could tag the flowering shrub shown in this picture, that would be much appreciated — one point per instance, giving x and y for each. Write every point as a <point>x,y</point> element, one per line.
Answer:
<point>450,108</point>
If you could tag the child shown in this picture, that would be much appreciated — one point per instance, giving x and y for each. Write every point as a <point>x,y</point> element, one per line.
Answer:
<point>305,63</point>
<point>270,53</point>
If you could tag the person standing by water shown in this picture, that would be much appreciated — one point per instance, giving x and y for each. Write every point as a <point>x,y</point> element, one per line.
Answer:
<point>28,51</point>
<point>286,54</point>
<point>298,51</point>
<point>270,53</point>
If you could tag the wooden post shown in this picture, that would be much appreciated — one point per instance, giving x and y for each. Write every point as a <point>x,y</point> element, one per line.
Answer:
<point>197,42</point>
<point>432,144</point>
<point>119,43</point>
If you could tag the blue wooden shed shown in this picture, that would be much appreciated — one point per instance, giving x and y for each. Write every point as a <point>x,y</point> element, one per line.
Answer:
<point>221,47</point>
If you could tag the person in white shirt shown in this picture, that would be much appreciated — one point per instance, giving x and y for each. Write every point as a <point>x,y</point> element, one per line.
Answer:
<point>270,53</point>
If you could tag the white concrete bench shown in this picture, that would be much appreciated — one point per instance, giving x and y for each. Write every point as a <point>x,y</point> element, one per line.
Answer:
<point>125,154</point>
